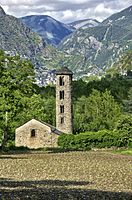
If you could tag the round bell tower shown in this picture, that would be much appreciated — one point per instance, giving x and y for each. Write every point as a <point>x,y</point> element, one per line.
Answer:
<point>64,121</point>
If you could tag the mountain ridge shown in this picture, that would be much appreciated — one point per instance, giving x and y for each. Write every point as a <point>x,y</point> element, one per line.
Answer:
<point>48,28</point>
<point>84,23</point>
<point>2,12</point>
<point>101,46</point>
<point>88,51</point>
<point>17,39</point>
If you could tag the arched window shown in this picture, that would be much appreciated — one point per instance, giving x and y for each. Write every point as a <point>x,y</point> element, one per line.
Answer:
<point>61,80</point>
<point>62,120</point>
<point>33,132</point>
<point>62,94</point>
<point>62,109</point>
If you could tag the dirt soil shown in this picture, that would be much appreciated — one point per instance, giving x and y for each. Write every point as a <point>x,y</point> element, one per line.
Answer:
<point>65,176</point>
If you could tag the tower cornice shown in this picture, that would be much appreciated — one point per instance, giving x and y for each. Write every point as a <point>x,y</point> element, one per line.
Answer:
<point>64,71</point>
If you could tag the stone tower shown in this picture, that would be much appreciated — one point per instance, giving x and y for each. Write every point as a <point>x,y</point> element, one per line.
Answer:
<point>64,100</point>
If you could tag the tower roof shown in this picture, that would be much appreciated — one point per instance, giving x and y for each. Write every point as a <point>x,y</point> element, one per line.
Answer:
<point>65,71</point>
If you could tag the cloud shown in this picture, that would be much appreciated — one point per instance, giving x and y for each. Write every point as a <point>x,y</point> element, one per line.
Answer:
<point>65,10</point>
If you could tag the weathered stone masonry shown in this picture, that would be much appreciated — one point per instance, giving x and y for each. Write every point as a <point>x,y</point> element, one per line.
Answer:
<point>35,134</point>
<point>64,100</point>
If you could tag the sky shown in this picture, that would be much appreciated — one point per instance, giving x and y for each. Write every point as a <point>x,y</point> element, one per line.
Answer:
<point>65,10</point>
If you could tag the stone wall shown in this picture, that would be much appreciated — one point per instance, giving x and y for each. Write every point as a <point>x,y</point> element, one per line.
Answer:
<point>66,125</point>
<point>44,137</point>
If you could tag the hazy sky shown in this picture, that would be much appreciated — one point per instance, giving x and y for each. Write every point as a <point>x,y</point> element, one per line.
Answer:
<point>65,10</point>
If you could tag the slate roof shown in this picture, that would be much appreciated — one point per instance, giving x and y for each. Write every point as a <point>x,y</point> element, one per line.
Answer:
<point>64,70</point>
<point>53,129</point>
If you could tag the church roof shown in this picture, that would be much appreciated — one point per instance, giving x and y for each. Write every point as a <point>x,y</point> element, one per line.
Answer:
<point>64,70</point>
<point>53,129</point>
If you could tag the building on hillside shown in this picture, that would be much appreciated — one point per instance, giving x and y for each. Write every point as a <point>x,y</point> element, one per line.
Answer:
<point>36,134</point>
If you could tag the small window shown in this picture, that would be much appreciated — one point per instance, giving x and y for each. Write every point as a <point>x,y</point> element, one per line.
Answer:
<point>62,109</point>
<point>61,80</point>
<point>62,120</point>
<point>62,94</point>
<point>33,132</point>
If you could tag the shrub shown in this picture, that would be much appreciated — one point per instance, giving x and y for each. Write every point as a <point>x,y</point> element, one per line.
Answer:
<point>124,124</point>
<point>100,139</point>
<point>66,140</point>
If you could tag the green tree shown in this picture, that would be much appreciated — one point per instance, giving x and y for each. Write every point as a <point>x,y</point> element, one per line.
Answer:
<point>96,112</point>
<point>128,102</point>
<point>42,109</point>
<point>124,125</point>
<point>16,83</point>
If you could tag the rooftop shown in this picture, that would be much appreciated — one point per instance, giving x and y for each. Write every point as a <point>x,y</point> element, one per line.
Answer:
<point>64,70</point>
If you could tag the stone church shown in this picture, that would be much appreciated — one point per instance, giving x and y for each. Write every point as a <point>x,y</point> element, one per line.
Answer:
<point>36,134</point>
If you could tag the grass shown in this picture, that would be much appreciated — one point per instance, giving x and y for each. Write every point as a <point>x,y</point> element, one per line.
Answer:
<point>124,151</point>
<point>63,176</point>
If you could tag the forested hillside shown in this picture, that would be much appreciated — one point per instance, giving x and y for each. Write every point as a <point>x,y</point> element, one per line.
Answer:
<point>17,39</point>
<point>87,51</point>
<point>93,50</point>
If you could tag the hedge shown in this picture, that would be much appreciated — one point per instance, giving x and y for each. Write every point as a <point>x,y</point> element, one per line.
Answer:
<point>100,139</point>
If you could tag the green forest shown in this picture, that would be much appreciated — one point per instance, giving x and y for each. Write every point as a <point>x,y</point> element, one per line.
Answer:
<point>102,108</point>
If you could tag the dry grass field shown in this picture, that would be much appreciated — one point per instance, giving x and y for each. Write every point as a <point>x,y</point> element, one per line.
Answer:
<point>65,176</point>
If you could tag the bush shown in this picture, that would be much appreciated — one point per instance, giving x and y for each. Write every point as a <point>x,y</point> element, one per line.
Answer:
<point>124,124</point>
<point>10,146</point>
<point>66,140</point>
<point>100,139</point>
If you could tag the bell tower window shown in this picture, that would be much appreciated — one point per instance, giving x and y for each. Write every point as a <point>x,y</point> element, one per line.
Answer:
<point>62,120</point>
<point>62,94</point>
<point>62,109</point>
<point>61,80</point>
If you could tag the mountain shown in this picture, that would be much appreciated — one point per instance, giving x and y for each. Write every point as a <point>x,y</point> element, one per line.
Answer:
<point>48,28</point>
<point>17,39</point>
<point>2,12</point>
<point>123,18</point>
<point>95,49</point>
<point>87,51</point>
<point>85,23</point>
